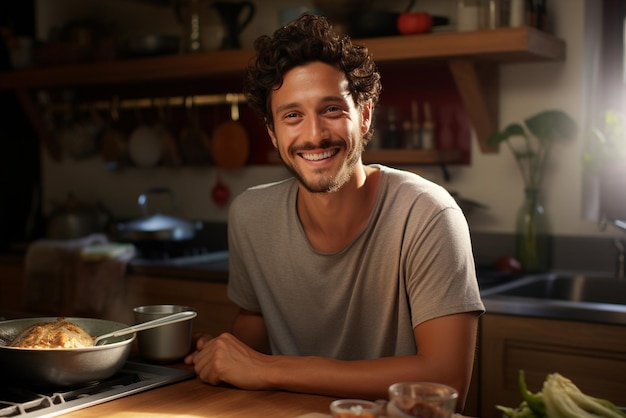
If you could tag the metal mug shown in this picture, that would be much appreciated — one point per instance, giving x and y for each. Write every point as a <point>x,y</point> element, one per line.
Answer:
<point>165,344</point>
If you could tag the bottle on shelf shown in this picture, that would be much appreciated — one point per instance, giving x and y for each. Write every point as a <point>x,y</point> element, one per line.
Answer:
<point>392,138</point>
<point>412,132</point>
<point>516,13</point>
<point>491,14</point>
<point>428,129</point>
<point>468,15</point>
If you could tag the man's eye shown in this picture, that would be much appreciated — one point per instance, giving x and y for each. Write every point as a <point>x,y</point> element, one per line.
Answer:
<point>334,111</point>
<point>291,115</point>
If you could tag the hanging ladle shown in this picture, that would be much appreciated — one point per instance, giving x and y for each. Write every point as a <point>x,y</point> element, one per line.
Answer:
<point>166,320</point>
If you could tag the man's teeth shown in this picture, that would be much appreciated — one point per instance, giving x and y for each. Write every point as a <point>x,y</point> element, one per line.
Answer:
<point>317,157</point>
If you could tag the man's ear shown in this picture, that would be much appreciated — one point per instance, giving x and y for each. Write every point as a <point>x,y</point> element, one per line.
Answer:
<point>272,136</point>
<point>366,117</point>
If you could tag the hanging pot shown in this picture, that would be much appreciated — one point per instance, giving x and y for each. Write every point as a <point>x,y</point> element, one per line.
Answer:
<point>230,146</point>
<point>156,227</point>
<point>193,141</point>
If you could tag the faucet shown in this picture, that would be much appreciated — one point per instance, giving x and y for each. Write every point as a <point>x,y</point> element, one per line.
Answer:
<point>619,271</point>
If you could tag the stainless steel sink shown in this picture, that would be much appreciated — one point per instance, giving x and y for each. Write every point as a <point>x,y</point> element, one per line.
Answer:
<point>575,288</point>
<point>575,296</point>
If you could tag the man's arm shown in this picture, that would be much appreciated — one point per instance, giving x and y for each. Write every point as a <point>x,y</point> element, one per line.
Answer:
<point>249,327</point>
<point>446,348</point>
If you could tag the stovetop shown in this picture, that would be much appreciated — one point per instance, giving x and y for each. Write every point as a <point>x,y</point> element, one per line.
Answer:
<point>133,378</point>
<point>182,260</point>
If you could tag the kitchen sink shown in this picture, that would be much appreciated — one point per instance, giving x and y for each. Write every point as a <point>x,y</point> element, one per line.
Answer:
<point>576,296</point>
<point>575,288</point>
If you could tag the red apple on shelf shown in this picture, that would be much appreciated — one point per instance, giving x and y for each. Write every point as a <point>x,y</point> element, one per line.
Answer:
<point>414,22</point>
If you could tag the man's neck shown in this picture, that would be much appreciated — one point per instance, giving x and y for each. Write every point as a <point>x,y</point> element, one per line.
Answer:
<point>332,220</point>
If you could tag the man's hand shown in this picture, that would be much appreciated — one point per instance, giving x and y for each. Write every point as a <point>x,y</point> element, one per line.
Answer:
<point>198,340</point>
<point>226,359</point>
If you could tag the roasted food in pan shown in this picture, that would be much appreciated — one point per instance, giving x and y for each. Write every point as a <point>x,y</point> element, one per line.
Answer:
<point>57,334</point>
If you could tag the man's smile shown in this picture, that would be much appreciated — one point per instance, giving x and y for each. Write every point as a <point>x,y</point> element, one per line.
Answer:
<point>317,156</point>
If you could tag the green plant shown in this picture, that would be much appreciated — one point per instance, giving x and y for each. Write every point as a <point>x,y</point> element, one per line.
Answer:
<point>559,398</point>
<point>607,143</point>
<point>531,144</point>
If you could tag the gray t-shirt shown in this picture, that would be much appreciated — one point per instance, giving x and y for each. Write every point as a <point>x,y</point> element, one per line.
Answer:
<point>412,262</point>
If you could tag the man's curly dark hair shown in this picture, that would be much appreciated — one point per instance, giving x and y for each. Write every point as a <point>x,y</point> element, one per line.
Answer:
<point>307,39</point>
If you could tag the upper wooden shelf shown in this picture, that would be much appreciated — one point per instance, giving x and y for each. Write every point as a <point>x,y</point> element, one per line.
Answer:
<point>472,58</point>
<point>502,45</point>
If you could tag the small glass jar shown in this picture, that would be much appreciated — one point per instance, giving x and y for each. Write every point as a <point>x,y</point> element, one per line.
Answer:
<point>491,11</point>
<point>468,15</point>
<point>517,13</point>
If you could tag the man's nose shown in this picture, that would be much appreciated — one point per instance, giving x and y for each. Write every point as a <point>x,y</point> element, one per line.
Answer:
<point>317,129</point>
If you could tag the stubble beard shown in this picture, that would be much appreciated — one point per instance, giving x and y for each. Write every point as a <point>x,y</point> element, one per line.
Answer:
<point>330,183</point>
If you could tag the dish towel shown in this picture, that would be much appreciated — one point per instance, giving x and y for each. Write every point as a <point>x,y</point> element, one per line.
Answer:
<point>65,278</point>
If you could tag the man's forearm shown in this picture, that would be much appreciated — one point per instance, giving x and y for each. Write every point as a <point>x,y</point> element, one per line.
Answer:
<point>363,379</point>
<point>249,327</point>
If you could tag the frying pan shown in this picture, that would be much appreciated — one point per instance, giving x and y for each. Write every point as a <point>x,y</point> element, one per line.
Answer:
<point>63,366</point>
<point>230,146</point>
<point>157,227</point>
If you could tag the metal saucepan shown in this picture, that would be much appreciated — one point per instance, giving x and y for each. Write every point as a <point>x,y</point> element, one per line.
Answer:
<point>159,322</point>
<point>63,366</point>
<point>157,227</point>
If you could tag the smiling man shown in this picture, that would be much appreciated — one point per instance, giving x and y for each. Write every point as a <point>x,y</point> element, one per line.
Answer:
<point>319,126</point>
<point>350,277</point>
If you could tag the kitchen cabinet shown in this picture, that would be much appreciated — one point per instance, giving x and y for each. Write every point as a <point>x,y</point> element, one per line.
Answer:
<point>471,57</point>
<point>592,355</point>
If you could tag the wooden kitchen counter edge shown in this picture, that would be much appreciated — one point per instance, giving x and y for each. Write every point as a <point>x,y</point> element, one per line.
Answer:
<point>193,398</point>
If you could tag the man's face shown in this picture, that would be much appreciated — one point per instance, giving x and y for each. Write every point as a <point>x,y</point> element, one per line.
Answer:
<point>317,128</point>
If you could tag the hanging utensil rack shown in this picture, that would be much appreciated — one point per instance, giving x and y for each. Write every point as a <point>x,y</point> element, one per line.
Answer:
<point>146,103</point>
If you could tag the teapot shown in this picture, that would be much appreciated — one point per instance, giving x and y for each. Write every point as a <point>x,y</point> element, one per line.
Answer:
<point>75,219</point>
<point>234,24</point>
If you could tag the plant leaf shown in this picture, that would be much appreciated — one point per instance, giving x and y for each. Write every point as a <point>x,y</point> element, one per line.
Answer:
<point>551,125</point>
<point>514,129</point>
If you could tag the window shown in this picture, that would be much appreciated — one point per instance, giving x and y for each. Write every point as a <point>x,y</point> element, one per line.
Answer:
<point>612,76</point>
<point>605,77</point>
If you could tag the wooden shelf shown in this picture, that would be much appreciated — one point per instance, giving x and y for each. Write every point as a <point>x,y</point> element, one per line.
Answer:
<point>496,46</point>
<point>472,57</point>
<point>140,70</point>
<point>501,45</point>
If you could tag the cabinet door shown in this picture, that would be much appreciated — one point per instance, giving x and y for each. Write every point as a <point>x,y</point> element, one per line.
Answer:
<point>593,356</point>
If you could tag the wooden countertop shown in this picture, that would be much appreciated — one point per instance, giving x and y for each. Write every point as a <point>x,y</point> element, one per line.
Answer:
<point>193,398</point>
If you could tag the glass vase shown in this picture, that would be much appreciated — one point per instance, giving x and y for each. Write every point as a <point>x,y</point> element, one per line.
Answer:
<point>532,237</point>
